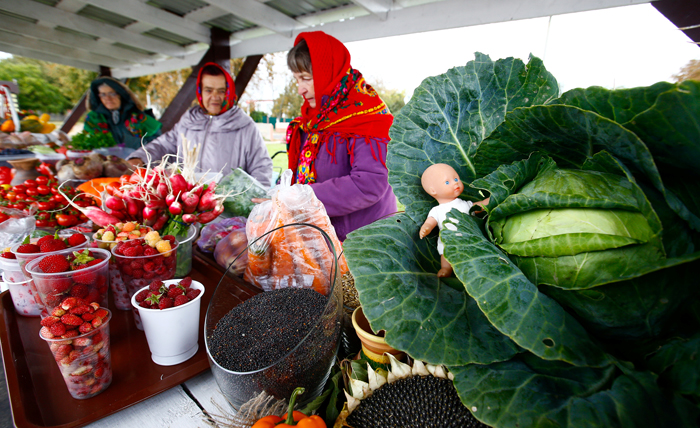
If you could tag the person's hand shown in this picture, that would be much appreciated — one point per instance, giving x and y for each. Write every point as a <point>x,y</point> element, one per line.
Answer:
<point>136,162</point>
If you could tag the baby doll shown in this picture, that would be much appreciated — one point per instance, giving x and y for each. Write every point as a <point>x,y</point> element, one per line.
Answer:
<point>442,183</point>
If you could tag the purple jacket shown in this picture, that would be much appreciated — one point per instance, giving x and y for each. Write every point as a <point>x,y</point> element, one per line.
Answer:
<point>356,194</point>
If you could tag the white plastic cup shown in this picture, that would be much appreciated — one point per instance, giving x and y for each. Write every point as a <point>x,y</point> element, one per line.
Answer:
<point>168,349</point>
<point>24,296</point>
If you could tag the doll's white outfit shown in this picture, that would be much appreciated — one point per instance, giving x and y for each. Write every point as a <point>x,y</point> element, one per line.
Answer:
<point>439,213</point>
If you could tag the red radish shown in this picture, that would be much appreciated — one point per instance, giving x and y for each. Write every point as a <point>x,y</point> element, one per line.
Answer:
<point>98,216</point>
<point>190,201</point>
<point>150,213</point>
<point>171,198</point>
<point>208,216</point>
<point>189,218</point>
<point>160,222</point>
<point>162,189</point>
<point>179,184</point>
<point>115,203</point>
<point>206,201</point>
<point>175,208</point>
<point>156,203</point>
<point>131,208</point>
<point>121,215</point>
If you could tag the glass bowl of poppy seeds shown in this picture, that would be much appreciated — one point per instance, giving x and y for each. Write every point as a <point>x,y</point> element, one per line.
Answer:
<point>274,341</point>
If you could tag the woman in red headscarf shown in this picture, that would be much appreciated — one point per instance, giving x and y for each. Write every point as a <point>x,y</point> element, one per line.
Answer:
<point>339,144</point>
<point>227,137</point>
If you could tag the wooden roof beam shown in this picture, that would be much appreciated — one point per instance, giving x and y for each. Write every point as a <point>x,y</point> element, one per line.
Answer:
<point>17,50</point>
<point>71,40</point>
<point>159,18</point>
<point>56,16</point>
<point>379,8</point>
<point>260,14</point>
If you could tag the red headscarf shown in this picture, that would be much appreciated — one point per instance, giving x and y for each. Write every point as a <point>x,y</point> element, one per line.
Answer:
<point>229,99</point>
<point>347,106</point>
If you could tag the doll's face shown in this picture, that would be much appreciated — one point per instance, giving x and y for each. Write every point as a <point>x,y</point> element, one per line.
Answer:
<point>442,182</point>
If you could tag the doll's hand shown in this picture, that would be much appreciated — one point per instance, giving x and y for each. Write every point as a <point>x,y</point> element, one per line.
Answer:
<point>427,227</point>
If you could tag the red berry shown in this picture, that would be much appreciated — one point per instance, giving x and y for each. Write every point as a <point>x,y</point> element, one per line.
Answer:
<point>50,320</point>
<point>170,238</point>
<point>70,334</point>
<point>150,251</point>
<point>79,290</point>
<point>175,291</point>
<point>155,286</point>
<point>192,294</point>
<point>85,327</point>
<point>70,319</point>
<point>76,239</point>
<point>165,303</point>
<point>181,300</point>
<point>8,255</point>
<point>54,263</point>
<point>52,245</point>
<point>186,281</point>
<point>141,296</point>
<point>58,329</point>
<point>28,248</point>
<point>88,316</point>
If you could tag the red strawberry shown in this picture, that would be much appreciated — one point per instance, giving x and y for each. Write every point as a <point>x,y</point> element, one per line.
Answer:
<point>193,293</point>
<point>44,239</point>
<point>79,310</point>
<point>101,313</point>
<point>96,322</point>
<point>52,245</point>
<point>54,263</point>
<point>165,303</point>
<point>76,239</point>
<point>50,320</point>
<point>85,277</point>
<point>45,332</point>
<point>60,286</point>
<point>58,329</point>
<point>85,327</point>
<point>8,255</point>
<point>181,300</point>
<point>28,249</point>
<point>58,311</point>
<point>71,334</point>
<point>88,316</point>
<point>79,290</point>
<point>70,319</point>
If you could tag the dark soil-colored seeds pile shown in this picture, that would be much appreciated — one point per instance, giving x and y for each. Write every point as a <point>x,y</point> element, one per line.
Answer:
<point>265,328</point>
<point>415,402</point>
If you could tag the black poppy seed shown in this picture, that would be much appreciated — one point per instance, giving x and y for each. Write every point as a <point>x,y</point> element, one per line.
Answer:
<point>418,401</point>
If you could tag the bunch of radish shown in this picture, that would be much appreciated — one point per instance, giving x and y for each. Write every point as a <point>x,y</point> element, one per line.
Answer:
<point>159,198</point>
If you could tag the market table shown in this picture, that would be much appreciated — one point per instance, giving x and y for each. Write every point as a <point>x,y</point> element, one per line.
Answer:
<point>142,393</point>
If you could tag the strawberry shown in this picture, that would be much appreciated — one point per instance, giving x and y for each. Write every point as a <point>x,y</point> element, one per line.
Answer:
<point>76,239</point>
<point>49,321</point>
<point>79,290</point>
<point>8,255</point>
<point>70,319</point>
<point>45,239</point>
<point>53,300</point>
<point>54,263</point>
<point>181,300</point>
<point>96,322</point>
<point>88,316</point>
<point>45,332</point>
<point>58,312</point>
<point>85,327</point>
<point>85,277</point>
<point>52,245</point>
<point>71,302</point>
<point>101,313</point>
<point>58,329</point>
<point>60,286</point>
<point>79,310</point>
<point>28,249</point>
<point>165,303</point>
<point>192,294</point>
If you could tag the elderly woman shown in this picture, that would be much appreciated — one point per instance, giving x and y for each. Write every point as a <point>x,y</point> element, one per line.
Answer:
<point>113,108</point>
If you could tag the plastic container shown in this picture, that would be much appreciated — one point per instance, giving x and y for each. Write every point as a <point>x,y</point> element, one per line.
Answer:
<point>91,283</point>
<point>24,258</point>
<point>136,274</point>
<point>12,270</point>
<point>85,361</point>
<point>172,333</point>
<point>50,158</point>
<point>308,364</point>
<point>24,296</point>
<point>184,251</point>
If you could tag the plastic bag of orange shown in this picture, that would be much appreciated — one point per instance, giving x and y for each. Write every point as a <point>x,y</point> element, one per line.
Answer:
<point>293,256</point>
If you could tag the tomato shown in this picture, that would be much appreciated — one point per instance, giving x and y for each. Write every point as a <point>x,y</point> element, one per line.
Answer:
<point>52,223</point>
<point>30,183</point>
<point>42,223</point>
<point>11,196</point>
<point>20,188</point>
<point>114,188</point>
<point>31,191</point>
<point>66,220</point>
<point>42,179</point>
<point>29,198</point>
<point>20,205</point>
<point>83,218</point>
<point>3,217</point>
<point>45,206</point>
<point>54,189</point>
<point>82,203</point>
<point>43,215</point>
<point>59,200</point>
<point>43,189</point>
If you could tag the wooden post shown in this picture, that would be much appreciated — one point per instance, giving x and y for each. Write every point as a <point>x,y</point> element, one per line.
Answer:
<point>682,14</point>
<point>79,107</point>
<point>247,71</point>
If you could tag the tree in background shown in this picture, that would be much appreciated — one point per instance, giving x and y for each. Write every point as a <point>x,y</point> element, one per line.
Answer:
<point>36,91</point>
<point>690,71</point>
<point>288,103</point>
<point>393,98</point>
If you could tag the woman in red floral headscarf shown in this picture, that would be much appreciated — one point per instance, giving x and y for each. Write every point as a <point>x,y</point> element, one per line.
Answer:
<point>339,144</point>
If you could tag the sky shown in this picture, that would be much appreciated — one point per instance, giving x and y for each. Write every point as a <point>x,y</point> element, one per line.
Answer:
<point>618,47</point>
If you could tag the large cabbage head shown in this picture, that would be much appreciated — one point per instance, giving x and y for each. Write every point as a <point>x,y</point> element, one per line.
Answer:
<point>573,228</point>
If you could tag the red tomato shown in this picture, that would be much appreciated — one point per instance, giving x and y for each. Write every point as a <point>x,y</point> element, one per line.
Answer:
<point>43,216</point>
<point>42,223</point>
<point>3,217</point>
<point>66,220</point>
<point>42,179</point>
<point>52,223</point>
<point>82,203</point>
<point>43,189</point>
<point>11,196</point>
<point>20,205</point>
<point>31,191</point>
<point>54,189</point>
<point>26,198</point>
<point>59,200</point>
<point>45,206</point>
<point>20,188</point>
<point>30,183</point>
<point>83,218</point>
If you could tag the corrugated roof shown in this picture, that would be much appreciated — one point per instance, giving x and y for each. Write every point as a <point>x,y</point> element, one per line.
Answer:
<point>106,16</point>
<point>230,23</point>
<point>178,7</point>
<point>294,8</point>
<point>76,33</point>
<point>161,34</point>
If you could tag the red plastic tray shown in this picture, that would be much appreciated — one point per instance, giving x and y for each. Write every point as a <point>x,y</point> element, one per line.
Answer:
<point>38,395</point>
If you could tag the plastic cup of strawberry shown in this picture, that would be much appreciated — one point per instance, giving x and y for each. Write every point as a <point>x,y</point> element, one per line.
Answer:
<point>88,282</point>
<point>81,346</point>
<point>69,243</point>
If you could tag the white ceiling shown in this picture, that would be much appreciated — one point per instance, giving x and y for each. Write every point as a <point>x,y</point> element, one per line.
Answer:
<point>138,37</point>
